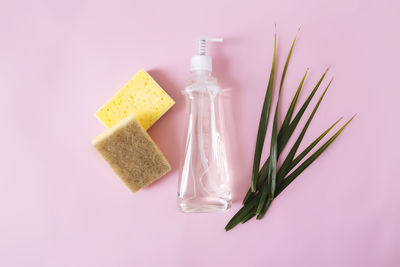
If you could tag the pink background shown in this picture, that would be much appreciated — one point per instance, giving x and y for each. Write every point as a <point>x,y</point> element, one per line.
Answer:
<point>61,205</point>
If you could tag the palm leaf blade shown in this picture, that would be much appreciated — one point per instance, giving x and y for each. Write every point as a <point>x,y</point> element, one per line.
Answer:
<point>292,106</point>
<point>273,156</point>
<point>241,214</point>
<point>311,159</point>
<point>310,147</point>
<point>292,126</point>
<point>292,152</point>
<point>264,170</point>
<point>263,125</point>
<point>269,181</point>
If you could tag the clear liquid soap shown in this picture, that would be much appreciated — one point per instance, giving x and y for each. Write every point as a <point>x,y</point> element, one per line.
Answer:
<point>204,180</point>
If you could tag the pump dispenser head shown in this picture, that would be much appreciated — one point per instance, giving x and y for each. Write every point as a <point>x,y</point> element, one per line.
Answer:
<point>201,61</point>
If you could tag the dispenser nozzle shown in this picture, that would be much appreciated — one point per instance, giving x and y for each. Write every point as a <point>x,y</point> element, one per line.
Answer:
<point>201,61</point>
<point>202,44</point>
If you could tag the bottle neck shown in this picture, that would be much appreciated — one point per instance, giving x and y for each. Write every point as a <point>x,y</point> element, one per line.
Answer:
<point>199,73</point>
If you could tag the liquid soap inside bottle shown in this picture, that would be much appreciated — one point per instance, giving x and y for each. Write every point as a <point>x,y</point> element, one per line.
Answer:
<point>204,182</point>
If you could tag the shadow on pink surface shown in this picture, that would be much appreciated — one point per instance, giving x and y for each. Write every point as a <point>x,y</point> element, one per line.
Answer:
<point>167,132</point>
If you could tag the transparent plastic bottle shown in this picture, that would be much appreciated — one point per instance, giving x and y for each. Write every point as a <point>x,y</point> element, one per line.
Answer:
<point>204,181</point>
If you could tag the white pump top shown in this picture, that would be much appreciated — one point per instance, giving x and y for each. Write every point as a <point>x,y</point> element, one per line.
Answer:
<point>201,61</point>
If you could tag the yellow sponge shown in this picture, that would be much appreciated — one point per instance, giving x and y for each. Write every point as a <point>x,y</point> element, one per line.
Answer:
<point>132,154</point>
<point>142,97</point>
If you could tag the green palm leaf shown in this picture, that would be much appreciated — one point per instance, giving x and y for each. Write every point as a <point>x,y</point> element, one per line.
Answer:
<point>292,152</point>
<point>304,153</point>
<point>264,170</point>
<point>292,106</point>
<point>264,205</point>
<point>270,181</point>
<point>292,126</point>
<point>310,160</point>
<point>310,147</point>
<point>270,185</point>
<point>248,210</point>
<point>241,214</point>
<point>288,131</point>
<point>263,125</point>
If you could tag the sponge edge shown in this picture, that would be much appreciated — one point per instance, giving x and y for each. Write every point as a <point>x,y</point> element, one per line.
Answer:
<point>132,154</point>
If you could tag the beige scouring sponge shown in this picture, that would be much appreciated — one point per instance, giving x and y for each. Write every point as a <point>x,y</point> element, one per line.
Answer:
<point>132,154</point>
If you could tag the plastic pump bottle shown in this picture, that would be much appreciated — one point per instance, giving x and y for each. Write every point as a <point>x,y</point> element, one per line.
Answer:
<point>204,182</point>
